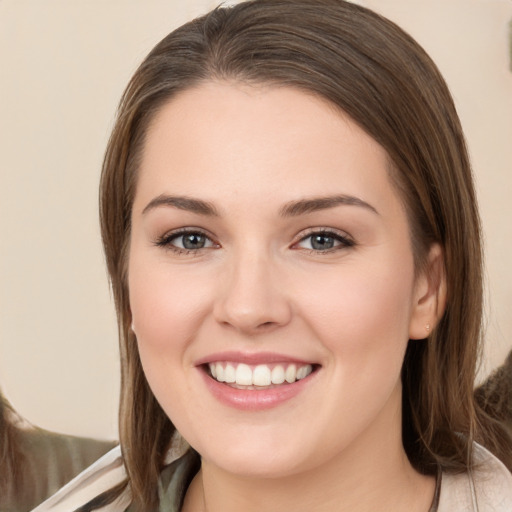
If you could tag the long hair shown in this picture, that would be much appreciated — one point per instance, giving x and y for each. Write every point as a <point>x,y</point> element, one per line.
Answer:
<point>377,74</point>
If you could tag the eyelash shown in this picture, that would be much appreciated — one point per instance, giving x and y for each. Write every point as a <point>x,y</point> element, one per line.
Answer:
<point>166,240</point>
<point>342,240</point>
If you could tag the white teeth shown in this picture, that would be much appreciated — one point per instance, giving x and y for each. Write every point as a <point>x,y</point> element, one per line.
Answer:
<point>278,375</point>
<point>243,375</point>
<point>261,375</point>
<point>304,371</point>
<point>229,373</point>
<point>219,370</point>
<point>291,374</point>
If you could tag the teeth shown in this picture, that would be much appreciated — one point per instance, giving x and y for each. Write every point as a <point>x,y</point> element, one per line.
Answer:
<point>229,374</point>
<point>243,375</point>
<point>219,370</point>
<point>278,375</point>
<point>290,374</point>
<point>261,375</point>
<point>304,371</point>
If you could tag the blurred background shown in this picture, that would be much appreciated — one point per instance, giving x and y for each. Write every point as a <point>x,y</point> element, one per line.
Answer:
<point>64,66</point>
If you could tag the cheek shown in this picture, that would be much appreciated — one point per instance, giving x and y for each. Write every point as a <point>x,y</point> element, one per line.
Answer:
<point>363,312</point>
<point>167,309</point>
<point>166,306</point>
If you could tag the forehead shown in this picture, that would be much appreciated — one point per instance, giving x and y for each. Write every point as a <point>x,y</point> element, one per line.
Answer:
<point>229,139</point>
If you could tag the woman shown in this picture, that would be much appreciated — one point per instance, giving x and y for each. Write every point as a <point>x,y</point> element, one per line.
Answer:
<point>293,240</point>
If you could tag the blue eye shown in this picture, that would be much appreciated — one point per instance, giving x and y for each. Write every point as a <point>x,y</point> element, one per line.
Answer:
<point>324,241</point>
<point>185,241</point>
<point>191,241</point>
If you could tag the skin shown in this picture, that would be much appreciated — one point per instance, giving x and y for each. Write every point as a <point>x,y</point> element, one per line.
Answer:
<point>259,285</point>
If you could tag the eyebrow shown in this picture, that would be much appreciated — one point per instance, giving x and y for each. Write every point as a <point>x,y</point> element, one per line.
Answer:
<point>303,206</point>
<point>182,203</point>
<point>291,209</point>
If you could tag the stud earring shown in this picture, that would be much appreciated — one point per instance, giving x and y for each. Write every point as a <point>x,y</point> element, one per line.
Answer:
<point>427,327</point>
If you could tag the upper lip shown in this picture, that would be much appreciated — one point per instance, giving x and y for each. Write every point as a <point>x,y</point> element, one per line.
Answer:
<point>251,358</point>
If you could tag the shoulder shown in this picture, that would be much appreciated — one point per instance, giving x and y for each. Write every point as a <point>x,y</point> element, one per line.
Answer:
<point>72,454</point>
<point>105,473</point>
<point>109,471</point>
<point>45,461</point>
<point>486,488</point>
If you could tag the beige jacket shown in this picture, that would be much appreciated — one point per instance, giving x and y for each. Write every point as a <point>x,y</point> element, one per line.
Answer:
<point>487,488</point>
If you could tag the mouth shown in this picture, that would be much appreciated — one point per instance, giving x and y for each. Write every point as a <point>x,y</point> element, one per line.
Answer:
<point>257,381</point>
<point>257,377</point>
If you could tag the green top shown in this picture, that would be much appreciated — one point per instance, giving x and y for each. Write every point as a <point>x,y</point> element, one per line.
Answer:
<point>48,461</point>
<point>174,481</point>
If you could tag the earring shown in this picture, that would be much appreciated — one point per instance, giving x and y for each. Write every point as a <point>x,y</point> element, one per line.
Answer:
<point>427,327</point>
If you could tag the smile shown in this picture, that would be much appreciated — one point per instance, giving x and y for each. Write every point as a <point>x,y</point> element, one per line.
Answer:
<point>256,382</point>
<point>245,376</point>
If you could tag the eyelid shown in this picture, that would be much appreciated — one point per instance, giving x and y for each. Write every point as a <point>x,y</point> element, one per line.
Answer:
<point>341,236</point>
<point>165,240</point>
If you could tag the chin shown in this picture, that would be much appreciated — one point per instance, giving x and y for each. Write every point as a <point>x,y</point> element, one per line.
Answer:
<point>266,458</point>
<point>266,466</point>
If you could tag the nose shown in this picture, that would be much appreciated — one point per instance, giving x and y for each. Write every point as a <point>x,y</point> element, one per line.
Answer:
<point>252,296</point>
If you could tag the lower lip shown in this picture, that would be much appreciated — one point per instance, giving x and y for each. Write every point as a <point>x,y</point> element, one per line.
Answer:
<point>255,399</point>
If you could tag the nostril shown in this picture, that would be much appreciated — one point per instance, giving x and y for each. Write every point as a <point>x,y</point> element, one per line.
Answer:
<point>252,313</point>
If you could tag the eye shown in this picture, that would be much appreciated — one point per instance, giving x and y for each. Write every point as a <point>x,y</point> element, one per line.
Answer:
<point>324,241</point>
<point>186,241</point>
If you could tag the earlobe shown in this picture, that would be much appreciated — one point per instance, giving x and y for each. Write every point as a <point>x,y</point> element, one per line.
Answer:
<point>429,301</point>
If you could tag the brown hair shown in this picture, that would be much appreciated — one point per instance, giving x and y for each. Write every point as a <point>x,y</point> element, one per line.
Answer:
<point>494,396</point>
<point>370,69</point>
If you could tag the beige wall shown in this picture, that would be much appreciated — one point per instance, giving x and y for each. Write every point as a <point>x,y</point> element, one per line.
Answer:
<point>64,65</point>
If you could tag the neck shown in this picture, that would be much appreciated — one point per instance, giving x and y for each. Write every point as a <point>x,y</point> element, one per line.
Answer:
<point>372,474</point>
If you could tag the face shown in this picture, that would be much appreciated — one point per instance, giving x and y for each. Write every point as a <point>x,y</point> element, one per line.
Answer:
<point>271,279</point>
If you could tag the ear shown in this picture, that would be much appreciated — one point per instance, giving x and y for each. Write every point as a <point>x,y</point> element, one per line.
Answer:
<point>429,298</point>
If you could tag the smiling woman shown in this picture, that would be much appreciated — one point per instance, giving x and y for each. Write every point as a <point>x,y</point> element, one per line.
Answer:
<point>293,240</point>
<point>287,291</point>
